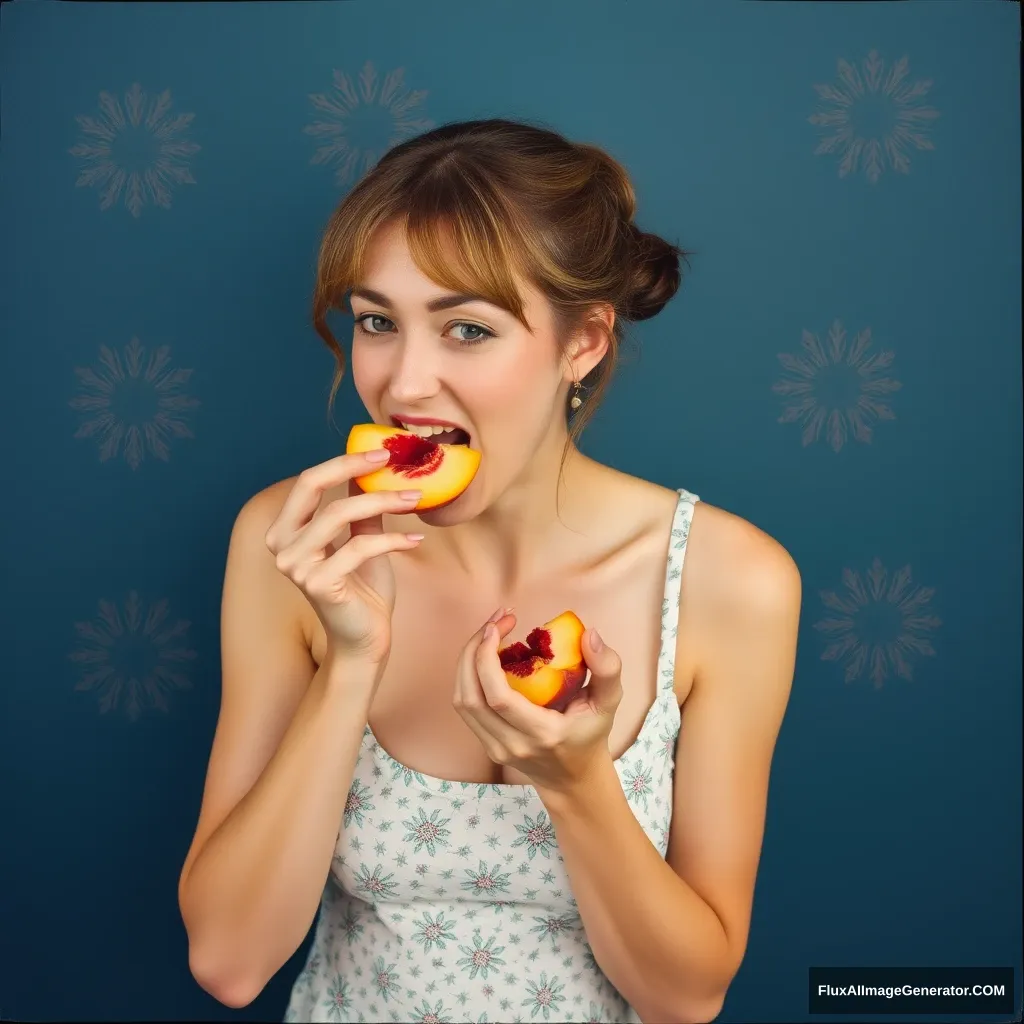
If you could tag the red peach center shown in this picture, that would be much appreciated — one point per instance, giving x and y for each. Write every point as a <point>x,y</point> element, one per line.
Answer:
<point>413,456</point>
<point>518,658</point>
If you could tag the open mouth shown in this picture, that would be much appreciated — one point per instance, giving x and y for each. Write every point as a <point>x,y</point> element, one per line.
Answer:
<point>441,471</point>
<point>437,433</point>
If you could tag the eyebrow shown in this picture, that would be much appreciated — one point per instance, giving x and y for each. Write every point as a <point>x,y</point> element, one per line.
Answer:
<point>445,302</point>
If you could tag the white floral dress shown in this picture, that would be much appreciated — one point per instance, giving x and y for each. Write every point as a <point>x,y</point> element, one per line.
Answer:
<point>448,902</point>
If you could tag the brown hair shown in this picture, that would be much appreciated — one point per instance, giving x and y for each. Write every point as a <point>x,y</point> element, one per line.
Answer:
<point>506,196</point>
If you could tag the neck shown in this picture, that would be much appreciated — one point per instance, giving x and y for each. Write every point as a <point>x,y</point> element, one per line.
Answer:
<point>523,535</point>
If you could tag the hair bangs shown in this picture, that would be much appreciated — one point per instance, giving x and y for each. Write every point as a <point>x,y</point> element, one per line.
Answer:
<point>458,237</point>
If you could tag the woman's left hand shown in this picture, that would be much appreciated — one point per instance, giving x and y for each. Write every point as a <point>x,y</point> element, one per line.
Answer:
<point>555,750</point>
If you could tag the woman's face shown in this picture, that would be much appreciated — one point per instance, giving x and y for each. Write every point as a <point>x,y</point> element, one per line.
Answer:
<point>468,363</point>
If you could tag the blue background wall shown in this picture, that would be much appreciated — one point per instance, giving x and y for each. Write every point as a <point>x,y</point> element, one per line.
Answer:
<point>841,367</point>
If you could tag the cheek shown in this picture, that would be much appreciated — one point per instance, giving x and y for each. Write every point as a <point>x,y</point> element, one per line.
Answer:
<point>514,410</point>
<point>369,372</point>
<point>517,386</point>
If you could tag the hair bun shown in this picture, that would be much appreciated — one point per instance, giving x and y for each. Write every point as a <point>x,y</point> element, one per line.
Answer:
<point>655,274</point>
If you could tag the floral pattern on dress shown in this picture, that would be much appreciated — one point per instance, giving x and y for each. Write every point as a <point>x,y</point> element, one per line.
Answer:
<point>449,902</point>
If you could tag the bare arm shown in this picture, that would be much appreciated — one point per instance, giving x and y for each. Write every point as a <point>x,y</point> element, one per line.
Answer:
<point>673,942</point>
<point>279,773</point>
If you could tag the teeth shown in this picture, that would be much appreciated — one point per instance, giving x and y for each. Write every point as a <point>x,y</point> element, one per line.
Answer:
<point>424,429</point>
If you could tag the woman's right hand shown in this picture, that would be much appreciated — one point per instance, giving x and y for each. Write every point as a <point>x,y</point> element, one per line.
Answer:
<point>351,587</point>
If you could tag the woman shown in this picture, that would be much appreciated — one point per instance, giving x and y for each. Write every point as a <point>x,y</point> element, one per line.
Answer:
<point>475,857</point>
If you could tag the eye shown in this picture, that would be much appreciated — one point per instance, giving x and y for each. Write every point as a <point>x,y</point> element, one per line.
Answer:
<point>362,321</point>
<point>483,332</point>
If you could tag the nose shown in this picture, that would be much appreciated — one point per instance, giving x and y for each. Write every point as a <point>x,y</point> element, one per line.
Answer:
<point>414,377</point>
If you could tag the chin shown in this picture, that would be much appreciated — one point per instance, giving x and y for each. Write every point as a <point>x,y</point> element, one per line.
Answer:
<point>460,509</point>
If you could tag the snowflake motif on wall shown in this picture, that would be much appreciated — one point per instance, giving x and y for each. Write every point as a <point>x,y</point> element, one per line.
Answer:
<point>835,388</point>
<point>360,121</point>
<point>131,399</point>
<point>133,657</point>
<point>867,116</point>
<point>136,150</point>
<point>883,619</point>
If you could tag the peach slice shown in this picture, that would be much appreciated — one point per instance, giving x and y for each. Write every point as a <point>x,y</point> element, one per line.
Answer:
<point>548,669</point>
<point>441,471</point>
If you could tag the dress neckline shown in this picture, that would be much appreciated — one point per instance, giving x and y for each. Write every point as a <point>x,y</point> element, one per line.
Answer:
<point>665,687</point>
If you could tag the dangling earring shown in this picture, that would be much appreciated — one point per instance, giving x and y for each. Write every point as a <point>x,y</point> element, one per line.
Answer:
<point>575,402</point>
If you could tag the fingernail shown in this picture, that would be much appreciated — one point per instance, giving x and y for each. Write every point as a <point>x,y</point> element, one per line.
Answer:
<point>495,615</point>
<point>410,495</point>
<point>595,640</point>
<point>489,630</point>
<point>377,455</point>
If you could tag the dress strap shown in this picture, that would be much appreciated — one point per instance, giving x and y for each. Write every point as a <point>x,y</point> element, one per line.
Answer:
<point>673,580</point>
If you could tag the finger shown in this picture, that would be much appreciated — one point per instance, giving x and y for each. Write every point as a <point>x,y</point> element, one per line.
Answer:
<point>373,523</point>
<point>467,691</point>
<point>466,657</point>
<point>499,739</point>
<point>344,512</point>
<point>604,690</point>
<point>304,498</point>
<point>515,710</point>
<point>327,578</point>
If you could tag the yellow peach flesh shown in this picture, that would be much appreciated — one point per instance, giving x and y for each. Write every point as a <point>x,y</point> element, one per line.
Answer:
<point>441,471</point>
<point>554,681</point>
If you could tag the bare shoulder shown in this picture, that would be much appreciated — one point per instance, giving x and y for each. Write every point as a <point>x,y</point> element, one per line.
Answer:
<point>723,550</point>
<point>733,557</point>
<point>740,580</point>
<point>254,519</point>
<point>735,562</point>
<point>256,562</point>
<point>266,504</point>
<point>641,506</point>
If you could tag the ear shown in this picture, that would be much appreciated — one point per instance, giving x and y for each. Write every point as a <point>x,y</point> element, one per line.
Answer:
<point>589,342</point>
